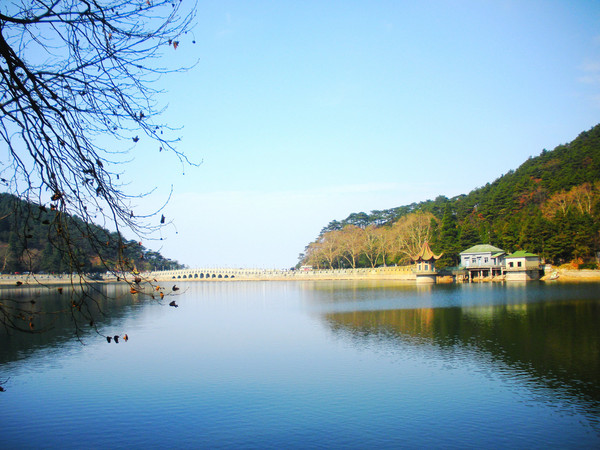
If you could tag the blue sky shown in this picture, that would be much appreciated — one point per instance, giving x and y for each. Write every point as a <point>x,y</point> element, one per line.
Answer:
<point>304,112</point>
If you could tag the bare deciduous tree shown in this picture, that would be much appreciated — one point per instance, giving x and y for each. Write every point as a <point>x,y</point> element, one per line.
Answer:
<point>378,244</point>
<point>353,243</point>
<point>411,232</point>
<point>326,251</point>
<point>77,94</point>
<point>372,247</point>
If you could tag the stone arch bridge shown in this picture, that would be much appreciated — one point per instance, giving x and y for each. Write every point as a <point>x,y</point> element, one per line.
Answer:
<point>218,274</point>
<point>230,274</point>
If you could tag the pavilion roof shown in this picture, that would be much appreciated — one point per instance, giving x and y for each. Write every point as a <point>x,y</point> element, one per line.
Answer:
<point>426,254</point>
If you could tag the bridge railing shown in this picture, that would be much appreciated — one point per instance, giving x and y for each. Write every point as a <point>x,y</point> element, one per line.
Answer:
<point>403,272</point>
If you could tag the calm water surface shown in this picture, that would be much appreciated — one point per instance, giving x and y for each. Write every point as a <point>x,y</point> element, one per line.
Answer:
<point>323,364</point>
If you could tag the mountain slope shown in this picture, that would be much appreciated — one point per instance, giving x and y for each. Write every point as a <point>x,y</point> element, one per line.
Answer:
<point>550,205</point>
<point>32,238</point>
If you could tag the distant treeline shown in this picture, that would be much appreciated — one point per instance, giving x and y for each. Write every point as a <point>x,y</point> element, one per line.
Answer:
<point>29,241</point>
<point>550,206</point>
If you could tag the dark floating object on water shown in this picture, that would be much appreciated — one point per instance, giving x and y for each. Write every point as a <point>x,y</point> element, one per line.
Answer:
<point>19,283</point>
<point>174,304</point>
<point>60,290</point>
<point>175,288</point>
<point>108,339</point>
<point>125,338</point>
<point>116,338</point>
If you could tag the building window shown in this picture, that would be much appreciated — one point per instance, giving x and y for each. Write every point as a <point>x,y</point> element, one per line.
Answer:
<point>511,264</point>
<point>519,264</point>
<point>485,259</point>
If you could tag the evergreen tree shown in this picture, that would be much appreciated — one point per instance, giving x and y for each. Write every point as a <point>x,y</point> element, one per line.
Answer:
<point>468,235</point>
<point>14,262</point>
<point>447,240</point>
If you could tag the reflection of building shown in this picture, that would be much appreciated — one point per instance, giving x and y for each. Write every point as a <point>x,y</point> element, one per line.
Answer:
<point>483,260</point>
<point>425,265</point>
<point>522,266</point>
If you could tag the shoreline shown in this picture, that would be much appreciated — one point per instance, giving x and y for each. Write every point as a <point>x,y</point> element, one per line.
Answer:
<point>562,276</point>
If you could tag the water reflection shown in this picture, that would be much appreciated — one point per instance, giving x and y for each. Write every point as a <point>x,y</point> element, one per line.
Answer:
<point>557,344</point>
<point>299,365</point>
<point>362,295</point>
<point>55,316</point>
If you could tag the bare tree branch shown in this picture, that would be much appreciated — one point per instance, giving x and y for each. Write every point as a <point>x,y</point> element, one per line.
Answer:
<point>77,94</point>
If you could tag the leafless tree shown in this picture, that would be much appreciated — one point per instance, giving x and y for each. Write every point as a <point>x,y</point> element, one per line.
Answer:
<point>410,232</point>
<point>77,95</point>
<point>353,242</point>
<point>325,251</point>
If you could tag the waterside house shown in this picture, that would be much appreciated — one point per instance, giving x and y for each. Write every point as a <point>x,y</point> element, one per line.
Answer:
<point>483,260</point>
<point>522,266</point>
<point>487,261</point>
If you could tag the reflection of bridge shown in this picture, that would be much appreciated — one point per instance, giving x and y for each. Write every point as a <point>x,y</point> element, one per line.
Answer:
<point>221,274</point>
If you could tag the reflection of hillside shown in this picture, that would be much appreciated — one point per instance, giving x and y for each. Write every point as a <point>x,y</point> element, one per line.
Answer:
<point>557,343</point>
<point>109,305</point>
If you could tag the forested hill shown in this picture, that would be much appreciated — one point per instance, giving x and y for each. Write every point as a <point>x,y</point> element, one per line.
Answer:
<point>29,241</point>
<point>550,205</point>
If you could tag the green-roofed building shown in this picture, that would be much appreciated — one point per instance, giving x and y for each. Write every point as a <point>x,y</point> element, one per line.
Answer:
<point>483,260</point>
<point>522,266</point>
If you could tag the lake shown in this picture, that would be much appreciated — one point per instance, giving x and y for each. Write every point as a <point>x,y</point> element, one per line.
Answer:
<point>312,365</point>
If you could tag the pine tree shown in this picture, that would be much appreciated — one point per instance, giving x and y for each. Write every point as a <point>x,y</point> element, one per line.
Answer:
<point>447,240</point>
